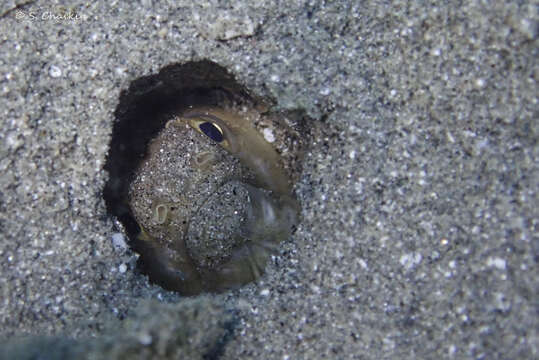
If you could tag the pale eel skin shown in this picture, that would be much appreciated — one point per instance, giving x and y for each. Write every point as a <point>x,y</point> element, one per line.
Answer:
<point>271,214</point>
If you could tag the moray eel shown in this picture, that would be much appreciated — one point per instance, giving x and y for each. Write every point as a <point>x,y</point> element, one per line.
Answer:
<point>213,224</point>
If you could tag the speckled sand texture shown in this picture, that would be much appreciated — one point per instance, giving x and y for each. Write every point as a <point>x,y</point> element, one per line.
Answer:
<point>420,200</point>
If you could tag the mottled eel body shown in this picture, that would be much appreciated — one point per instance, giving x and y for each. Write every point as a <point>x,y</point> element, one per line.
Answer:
<point>270,216</point>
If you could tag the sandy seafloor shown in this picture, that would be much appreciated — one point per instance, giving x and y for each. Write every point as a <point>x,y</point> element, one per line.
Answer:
<point>419,236</point>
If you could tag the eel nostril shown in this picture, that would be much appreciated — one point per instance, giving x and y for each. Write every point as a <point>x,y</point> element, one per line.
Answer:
<point>161,213</point>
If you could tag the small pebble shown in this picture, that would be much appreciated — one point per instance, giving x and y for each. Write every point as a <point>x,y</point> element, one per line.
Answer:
<point>145,338</point>
<point>265,292</point>
<point>498,263</point>
<point>118,241</point>
<point>325,91</point>
<point>410,260</point>
<point>268,135</point>
<point>54,71</point>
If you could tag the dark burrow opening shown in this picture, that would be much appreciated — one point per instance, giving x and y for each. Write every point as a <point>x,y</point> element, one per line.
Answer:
<point>201,176</point>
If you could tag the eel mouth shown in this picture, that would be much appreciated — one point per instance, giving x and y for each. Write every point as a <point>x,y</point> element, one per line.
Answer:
<point>203,197</point>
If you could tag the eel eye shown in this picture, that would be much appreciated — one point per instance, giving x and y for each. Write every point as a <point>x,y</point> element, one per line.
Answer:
<point>211,130</point>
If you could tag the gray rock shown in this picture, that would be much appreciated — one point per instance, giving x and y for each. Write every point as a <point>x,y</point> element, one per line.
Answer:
<point>193,329</point>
